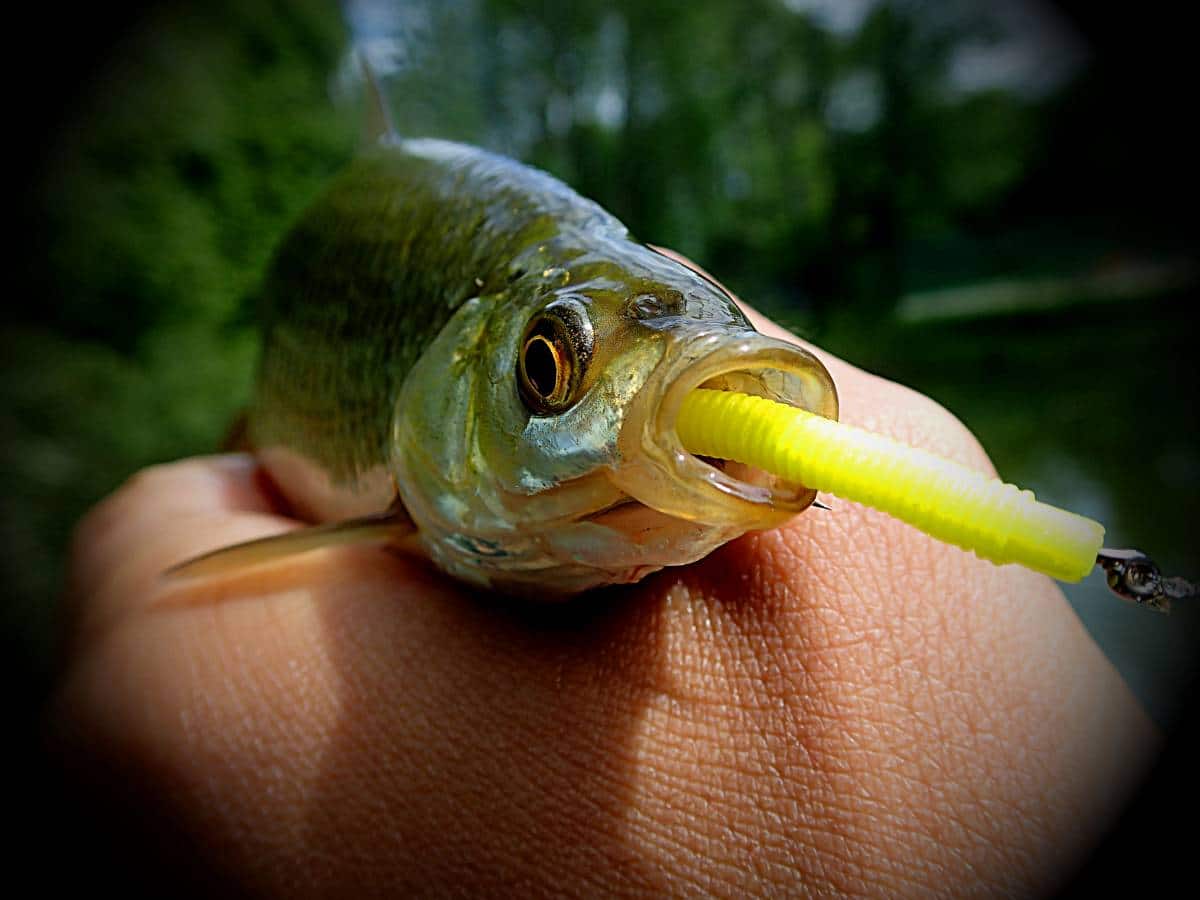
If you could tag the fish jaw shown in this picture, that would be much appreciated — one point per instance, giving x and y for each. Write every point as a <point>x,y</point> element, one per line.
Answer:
<point>500,498</point>
<point>677,508</point>
<point>658,472</point>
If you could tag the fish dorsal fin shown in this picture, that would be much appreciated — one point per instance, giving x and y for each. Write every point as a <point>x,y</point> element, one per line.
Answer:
<point>389,527</point>
<point>379,126</point>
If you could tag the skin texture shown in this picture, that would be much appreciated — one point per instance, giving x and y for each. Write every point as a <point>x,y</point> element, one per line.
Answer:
<point>841,705</point>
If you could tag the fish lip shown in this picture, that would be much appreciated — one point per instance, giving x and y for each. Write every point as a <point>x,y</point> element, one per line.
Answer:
<point>672,480</point>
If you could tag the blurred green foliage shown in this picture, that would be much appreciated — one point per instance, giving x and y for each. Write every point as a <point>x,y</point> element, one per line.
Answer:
<point>204,132</point>
<point>823,168</point>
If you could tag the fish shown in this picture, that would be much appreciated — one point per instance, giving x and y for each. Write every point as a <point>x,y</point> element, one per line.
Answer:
<point>465,359</point>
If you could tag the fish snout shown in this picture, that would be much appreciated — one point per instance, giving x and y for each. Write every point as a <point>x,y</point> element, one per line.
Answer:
<point>658,471</point>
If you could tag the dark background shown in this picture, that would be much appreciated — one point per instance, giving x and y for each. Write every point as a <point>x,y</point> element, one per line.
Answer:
<point>1024,250</point>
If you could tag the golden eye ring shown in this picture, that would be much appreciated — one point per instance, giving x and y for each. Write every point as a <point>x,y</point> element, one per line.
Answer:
<point>545,373</point>
<point>554,350</point>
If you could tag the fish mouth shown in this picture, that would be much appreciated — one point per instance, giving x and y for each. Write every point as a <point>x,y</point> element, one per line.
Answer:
<point>658,471</point>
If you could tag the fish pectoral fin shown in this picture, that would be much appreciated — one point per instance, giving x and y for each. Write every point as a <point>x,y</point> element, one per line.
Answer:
<point>389,527</point>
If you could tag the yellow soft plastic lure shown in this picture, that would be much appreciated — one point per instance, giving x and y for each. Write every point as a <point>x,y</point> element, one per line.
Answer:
<point>464,359</point>
<point>951,502</point>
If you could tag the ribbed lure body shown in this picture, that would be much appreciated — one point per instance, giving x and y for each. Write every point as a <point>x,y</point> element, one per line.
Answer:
<point>949,501</point>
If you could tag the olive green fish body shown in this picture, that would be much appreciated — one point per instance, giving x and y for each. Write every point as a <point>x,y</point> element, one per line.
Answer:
<point>467,336</point>
<point>371,272</point>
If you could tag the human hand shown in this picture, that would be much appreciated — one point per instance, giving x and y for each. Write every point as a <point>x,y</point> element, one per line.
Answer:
<point>841,704</point>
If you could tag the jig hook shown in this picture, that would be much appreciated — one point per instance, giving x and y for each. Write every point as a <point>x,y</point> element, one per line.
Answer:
<point>1133,576</point>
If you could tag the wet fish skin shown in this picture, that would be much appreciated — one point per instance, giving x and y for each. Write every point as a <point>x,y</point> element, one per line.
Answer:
<point>373,271</point>
<point>395,310</point>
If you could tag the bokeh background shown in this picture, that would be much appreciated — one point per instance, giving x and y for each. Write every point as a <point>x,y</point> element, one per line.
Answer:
<point>991,202</point>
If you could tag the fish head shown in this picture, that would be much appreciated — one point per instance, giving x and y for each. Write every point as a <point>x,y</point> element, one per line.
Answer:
<point>534,441</point>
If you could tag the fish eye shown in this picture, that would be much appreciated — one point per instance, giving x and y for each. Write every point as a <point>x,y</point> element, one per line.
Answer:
<point>554,349</point>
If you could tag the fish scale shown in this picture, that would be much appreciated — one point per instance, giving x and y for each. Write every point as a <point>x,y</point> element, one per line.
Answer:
<point>372,271</point>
